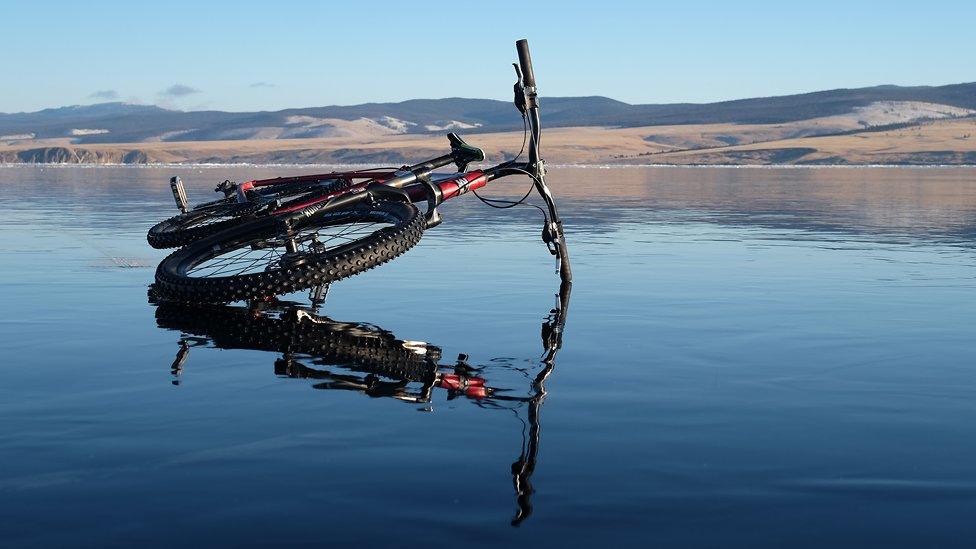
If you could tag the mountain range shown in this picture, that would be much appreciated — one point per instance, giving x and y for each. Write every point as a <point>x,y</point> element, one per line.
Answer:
<point>880,125</point>
<point>129,123</point>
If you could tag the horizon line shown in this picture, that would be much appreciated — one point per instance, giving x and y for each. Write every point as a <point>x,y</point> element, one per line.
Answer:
<point>138,104</point>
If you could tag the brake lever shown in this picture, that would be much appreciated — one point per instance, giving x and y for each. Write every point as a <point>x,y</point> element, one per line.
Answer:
<point>519,90</point>
<point>549,236</point>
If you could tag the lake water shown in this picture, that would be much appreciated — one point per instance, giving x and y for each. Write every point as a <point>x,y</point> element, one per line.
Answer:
<point>751,357</point>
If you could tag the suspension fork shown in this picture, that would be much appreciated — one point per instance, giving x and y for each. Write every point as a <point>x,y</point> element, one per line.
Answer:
<point>552,232</point>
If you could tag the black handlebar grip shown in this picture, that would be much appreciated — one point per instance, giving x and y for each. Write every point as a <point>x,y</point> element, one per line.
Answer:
<point>525,60</point>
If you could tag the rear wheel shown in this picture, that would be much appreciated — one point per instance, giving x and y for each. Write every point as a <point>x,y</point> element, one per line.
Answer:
<point>213,217</point>
<point>267,257</point>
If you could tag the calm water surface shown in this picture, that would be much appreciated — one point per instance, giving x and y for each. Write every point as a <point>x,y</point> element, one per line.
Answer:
<point>751,357</point>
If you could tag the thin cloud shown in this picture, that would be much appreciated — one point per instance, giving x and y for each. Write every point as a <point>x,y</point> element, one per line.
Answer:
<point>262,85</point>
<point>105,94</point>
<point>178,90</point>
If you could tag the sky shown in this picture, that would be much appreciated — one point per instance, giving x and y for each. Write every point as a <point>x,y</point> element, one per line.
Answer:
<point>270,55</point>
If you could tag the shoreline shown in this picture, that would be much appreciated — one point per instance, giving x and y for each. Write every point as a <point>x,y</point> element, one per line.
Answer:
<point>940,143</point>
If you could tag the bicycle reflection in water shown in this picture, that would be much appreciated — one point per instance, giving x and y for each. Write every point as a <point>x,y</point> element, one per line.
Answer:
<point>367,359</point>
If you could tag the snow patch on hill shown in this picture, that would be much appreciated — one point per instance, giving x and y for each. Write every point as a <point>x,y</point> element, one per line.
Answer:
<point>445,125</point>
<point>874,115</point>
<point>302,126</point>
<point>86,131</point>
<point>17,137</point>
<point>169,136</point>
<point>310,126</point>
<point>882,113</point>
<point>400,126</point>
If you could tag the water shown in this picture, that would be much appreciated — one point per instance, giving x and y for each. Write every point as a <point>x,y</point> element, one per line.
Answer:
<point>751,357</point>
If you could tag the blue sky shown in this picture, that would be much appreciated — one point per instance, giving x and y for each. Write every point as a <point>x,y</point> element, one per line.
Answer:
<point>271,55</point>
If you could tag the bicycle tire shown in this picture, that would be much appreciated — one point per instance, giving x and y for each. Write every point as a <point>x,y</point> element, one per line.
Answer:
<point>176,281</point>
<point>354,346</point>
<point>219,215</point>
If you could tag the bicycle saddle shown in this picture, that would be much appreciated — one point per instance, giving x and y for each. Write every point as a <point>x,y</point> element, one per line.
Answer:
<point>463,153</point>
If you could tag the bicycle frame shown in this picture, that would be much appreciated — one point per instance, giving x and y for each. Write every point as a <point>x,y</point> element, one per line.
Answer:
<point>242,189</point>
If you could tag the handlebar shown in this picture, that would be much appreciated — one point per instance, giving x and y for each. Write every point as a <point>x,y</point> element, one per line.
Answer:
<point>526,100</point>
<point>525,60</point>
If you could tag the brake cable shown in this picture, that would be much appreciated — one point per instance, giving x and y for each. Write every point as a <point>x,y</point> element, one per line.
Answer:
<point>494,202</point>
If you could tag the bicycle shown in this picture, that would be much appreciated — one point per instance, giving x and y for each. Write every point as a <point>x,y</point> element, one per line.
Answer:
<point>279,236</point>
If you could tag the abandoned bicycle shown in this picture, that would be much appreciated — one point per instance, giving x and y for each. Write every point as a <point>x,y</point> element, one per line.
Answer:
<point>277,236</point>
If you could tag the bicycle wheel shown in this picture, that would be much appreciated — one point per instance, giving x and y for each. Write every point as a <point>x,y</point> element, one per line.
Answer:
<point>354,346</point>
<point>252,260</point>
<point>213,217</point>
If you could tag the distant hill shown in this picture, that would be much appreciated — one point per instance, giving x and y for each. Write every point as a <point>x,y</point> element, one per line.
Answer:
<point>126,123</point>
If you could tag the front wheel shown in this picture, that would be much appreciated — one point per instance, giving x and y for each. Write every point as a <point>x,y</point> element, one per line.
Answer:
<point>265,257</point>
